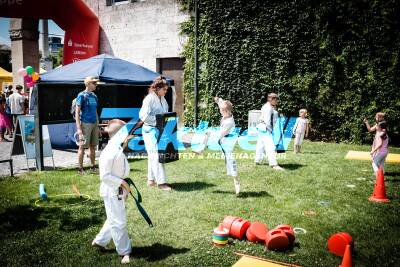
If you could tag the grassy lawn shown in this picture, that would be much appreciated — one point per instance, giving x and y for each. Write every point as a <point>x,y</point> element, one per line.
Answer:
<point>60,233</point>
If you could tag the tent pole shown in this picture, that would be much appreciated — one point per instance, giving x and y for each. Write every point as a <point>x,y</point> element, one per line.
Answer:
<point>38,134</point>
<point>196,61</point>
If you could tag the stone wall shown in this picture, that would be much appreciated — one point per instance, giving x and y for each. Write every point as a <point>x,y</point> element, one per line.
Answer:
<point>140,31</point>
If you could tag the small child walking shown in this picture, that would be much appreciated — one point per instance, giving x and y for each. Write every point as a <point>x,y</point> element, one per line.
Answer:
<point>300,130</point>
<point>226,125</point>
<point>380,146</point>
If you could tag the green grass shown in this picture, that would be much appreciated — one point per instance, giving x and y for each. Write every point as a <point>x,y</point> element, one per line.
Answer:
<point>184,218</point>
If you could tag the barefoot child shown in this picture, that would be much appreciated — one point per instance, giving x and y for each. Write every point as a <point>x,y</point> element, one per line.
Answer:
<point>379,149</point>
<point>114,167</point>
<point>300,130</point>
<point>227,124</point>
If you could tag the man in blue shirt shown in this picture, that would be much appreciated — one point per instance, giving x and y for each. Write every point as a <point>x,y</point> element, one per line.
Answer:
<point>87,122</point>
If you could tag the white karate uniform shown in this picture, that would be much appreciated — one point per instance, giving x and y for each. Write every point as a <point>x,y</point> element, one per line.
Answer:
<point>113,167</point>
<point>227,124</point>
<point>152,105</point>
<point>265,142</point>
<point>299,130</point>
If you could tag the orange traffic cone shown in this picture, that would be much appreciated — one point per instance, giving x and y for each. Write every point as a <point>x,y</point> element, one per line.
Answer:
<point>347,261</point>
<point>379,194</point>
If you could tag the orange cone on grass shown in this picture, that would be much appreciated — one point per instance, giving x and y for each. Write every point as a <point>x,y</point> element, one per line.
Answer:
<point>347,261</point>
<point>379,194</point>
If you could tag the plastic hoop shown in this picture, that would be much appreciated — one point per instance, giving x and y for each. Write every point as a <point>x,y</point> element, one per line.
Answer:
<point>298,230</point>
<point>86,199</point>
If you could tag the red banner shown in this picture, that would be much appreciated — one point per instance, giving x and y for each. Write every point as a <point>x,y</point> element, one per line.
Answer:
<point>80,24</point>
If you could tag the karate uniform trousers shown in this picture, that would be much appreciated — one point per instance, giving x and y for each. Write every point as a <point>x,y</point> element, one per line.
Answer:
<point>230,161</point>
<point>153,105</point>
<point>155,169</point>
<point>265,146</point>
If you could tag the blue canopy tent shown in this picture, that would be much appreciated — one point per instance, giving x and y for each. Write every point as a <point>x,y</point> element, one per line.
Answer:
<point>107,68</point>
<point>120,93</point>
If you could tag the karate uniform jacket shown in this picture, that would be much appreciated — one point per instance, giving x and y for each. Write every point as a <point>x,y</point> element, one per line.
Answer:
<point>113,167</point>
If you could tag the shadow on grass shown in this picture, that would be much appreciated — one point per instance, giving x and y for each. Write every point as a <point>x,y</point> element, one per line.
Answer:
<point>87,218</point>
<point>190,186</point>
<point>156,252</point>
<point>392,180</point>
<point>312,152</point>
<point>295,245</point>
<point>138,159</point>
<point>292,166</point>
<point>392,173</point>
<point>22,218</point>
<point>245,194</point>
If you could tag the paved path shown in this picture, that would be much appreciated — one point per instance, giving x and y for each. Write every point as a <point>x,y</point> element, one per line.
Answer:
<point>62,159</point>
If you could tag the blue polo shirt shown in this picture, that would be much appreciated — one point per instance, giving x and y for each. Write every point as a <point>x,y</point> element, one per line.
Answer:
<point>88,103</point>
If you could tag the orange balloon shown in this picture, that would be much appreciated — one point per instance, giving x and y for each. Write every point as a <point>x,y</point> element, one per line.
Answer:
<point>35,76</point>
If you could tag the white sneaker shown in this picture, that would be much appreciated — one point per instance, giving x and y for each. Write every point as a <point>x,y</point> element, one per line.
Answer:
<point>278,168</point>
<point>125,259</point>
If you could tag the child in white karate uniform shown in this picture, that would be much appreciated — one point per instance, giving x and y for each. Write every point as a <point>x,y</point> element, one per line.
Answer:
<point>226,125</point>
<point>114,167</point>
<point>265,142</point>
<point>300,130</point>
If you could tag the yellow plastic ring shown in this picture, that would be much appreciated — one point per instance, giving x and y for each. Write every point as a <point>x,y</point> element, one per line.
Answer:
<point>220,242</point>
<point>87,198</point>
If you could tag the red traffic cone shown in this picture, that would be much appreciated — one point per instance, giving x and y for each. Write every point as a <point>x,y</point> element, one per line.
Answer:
<point>338,242</point>
<point>347,261</point>
<point>379,194</point>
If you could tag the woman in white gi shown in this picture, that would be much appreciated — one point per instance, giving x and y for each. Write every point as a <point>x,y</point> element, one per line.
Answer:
<point>265,142</point>
<point>113,167</point>
<point>154,103</point>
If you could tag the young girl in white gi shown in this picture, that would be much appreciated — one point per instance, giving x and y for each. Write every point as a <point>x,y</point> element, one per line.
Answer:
<point>154,103</point>
<point>300,130</point>
<point>113,167</point>
<point>265,142</point>
<point>380,145</point>
<point>226,125</point>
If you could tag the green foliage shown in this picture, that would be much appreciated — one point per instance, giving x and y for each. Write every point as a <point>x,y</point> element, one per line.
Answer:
<point>339,59</point>
<point>57,60</point>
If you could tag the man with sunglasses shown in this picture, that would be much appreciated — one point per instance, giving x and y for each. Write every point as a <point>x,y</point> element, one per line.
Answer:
<point>87,122</point>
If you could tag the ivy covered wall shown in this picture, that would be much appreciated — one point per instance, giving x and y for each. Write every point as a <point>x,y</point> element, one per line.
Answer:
<point>339,59</point>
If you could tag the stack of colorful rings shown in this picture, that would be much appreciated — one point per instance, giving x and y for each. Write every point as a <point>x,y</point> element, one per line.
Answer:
<point>220,236</point>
